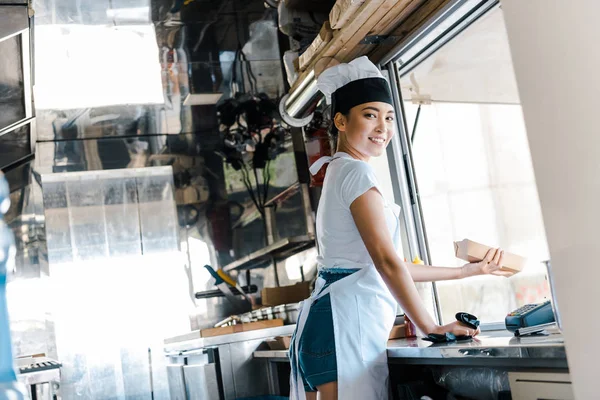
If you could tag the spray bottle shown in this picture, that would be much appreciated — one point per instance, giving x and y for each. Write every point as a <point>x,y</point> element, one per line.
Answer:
<point>10,389</point>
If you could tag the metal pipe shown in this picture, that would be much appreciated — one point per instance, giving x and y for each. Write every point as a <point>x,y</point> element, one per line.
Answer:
<point>297,107</point>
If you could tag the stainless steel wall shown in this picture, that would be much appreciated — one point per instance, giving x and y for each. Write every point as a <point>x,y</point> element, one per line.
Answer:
<point>81,254</point>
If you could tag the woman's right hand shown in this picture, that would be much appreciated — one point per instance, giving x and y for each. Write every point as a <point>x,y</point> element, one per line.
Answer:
<point>457,329</point>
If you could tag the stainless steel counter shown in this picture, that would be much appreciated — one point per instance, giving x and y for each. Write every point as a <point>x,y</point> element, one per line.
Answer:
<point>497,348</point>
<point>221,365</point>
<point>193,341</point>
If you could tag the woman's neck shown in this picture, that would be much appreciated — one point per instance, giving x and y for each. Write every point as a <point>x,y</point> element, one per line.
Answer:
<point>351,152</point>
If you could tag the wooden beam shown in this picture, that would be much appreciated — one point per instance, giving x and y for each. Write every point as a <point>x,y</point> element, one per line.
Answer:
<point>399,13</point>
<point>342,12</point>
<point>325,35</point>
<point>343,35</point>
<point>394,18</point>
<point>365,29</point>
<point>414,21</point>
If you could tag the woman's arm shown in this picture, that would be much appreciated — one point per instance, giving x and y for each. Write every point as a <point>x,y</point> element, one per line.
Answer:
<point>367,212</point>
<point>368,215</point>
<point>491,264</point>
<point>427,273</point>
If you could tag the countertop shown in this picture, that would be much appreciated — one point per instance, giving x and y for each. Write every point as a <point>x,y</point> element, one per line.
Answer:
<point>193,341</point>
<point>496,348</point>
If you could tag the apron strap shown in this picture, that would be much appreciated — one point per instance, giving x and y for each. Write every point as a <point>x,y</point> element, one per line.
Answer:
<point>316,167</point>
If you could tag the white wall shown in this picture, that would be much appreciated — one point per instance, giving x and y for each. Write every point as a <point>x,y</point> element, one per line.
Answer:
<point>554,47</point>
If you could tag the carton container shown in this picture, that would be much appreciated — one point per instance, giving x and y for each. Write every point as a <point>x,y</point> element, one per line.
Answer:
<point>279,343</point>
<point>471,251</point>
<point>398,332</point>
<point>274,296</point>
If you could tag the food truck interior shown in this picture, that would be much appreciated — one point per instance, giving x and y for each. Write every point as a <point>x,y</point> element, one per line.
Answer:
<point>156,154</point>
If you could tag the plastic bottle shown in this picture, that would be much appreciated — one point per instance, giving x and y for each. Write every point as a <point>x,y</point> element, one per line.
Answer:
<point>10,389</point>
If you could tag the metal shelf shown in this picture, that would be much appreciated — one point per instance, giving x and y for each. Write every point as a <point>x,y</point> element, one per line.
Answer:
<point>284,195</point>
<point>279,250</point>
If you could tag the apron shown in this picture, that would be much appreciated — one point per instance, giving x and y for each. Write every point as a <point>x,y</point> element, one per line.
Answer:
<point>362,302</point>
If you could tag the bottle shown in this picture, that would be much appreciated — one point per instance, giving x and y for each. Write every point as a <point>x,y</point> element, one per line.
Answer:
<point>411,329</point>
<point>10,389</point>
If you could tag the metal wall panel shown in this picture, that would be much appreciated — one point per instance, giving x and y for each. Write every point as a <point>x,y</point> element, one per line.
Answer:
<point>12,19</point>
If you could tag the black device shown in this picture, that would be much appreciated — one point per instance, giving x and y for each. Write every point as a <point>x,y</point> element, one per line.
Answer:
<point>530,315</point>
<point>468,319</point>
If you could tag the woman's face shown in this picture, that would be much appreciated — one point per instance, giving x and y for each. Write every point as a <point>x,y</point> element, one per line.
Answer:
<point>367,129</point>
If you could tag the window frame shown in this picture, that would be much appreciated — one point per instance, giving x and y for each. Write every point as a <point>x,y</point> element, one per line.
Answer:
<point>441,28</point>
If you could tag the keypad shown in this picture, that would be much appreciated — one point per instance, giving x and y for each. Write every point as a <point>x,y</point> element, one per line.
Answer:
<point>525,309</point>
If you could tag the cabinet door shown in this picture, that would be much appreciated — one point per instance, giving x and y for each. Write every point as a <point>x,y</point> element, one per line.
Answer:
<point>201,381</point>
<point>537,386</point>
<point>176,382</point>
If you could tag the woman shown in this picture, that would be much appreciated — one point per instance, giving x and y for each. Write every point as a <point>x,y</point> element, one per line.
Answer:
<point>339,347</point>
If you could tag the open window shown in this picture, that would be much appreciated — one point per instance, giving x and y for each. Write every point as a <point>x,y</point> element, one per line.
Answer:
<point>469,159</point>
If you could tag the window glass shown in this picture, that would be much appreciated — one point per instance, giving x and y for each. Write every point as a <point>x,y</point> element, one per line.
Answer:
<point>12,95</point>
<point>15,145</point>
<point>473,168</point>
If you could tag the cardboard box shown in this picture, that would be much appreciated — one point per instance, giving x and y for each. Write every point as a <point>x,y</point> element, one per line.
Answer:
<point>250,326</point>
<point>279,343</point>
<point>342,12</point>
<point>471,251</point>
<point>319,42</point>
<point>275,296</point>
<point>398,332</point>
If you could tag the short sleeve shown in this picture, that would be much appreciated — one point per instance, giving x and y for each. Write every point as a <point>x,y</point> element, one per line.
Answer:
<point>357,177</point>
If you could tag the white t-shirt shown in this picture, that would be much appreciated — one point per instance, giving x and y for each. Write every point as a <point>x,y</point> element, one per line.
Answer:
<point>340,243</point>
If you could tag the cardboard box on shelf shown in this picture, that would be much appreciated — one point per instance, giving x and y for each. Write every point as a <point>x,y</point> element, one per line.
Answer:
<point>274,296</point>
<point>279,343</point>
<point>471,251</point>
<point>250,326</point>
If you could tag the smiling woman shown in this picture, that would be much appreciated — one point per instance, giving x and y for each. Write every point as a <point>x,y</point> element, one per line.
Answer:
<point>368,129</point>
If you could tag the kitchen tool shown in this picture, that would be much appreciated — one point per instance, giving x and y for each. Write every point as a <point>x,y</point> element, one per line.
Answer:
<point>287,312</point>
<point>233,283</point>
<point>267,313</point>
<point>224,287</point>
<point>231,320</point>
<point>257,315</point>
<point>207,294</point>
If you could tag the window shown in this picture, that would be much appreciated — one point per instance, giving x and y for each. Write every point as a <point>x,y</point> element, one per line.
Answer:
<point>12,86</point>
<point>473,167</point>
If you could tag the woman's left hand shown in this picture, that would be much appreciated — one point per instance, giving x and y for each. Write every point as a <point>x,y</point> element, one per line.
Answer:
<point>490,265</point>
